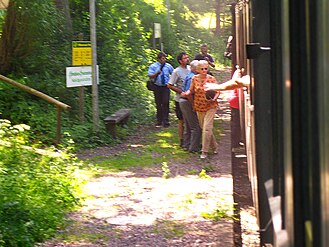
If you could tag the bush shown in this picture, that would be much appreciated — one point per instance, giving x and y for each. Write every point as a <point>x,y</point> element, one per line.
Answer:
<point>38,187</point>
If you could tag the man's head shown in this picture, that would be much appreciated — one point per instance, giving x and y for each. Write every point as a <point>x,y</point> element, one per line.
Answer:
<point>183,58</point>
<point>204,49</point>
<point>162,57</point>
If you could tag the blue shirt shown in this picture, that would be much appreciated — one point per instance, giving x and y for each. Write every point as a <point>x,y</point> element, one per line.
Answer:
<point>163,78</point>
<point>187,82</point>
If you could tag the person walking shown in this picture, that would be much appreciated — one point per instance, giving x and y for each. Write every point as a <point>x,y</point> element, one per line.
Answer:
<point>175,84</point>
<point>161,70</point>
<point>203,55</point>
<point>205,108</point>
<point>192,130</point>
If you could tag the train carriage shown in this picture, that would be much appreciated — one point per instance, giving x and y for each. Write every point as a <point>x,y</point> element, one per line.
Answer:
<point>284,47</point>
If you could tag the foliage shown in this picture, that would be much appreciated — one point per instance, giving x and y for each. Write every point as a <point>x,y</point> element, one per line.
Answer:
<point>37,188</point>
<point>33,39</point>
<point>165,170</point>
<point>223,211</point>
<point>40,116</point>
<point>124,58</point>
<point>203,174</point>
<point>124,52</point>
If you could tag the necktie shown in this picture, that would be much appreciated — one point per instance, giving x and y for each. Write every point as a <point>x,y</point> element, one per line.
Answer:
<point>163,81</point>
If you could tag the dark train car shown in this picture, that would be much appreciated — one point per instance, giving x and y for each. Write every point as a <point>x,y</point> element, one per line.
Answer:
<point>284,46</point>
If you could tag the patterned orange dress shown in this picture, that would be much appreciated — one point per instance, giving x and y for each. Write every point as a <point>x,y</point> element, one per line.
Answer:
<point>201,104</point>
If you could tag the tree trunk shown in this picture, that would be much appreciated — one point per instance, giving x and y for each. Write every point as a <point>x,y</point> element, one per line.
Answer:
<point>8,45</point>
<point>218,9</point>
<point>64,7</point>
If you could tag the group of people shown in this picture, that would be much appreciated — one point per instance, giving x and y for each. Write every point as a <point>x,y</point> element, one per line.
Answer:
<point>195,106</point>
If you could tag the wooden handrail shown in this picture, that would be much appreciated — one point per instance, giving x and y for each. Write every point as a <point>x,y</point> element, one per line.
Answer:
<point>59,105</point>
<point>35,92</point>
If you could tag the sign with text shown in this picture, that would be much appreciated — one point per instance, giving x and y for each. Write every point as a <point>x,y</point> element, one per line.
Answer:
<point>79,76</point>
<point>157,30</point>
<point>81,53</point>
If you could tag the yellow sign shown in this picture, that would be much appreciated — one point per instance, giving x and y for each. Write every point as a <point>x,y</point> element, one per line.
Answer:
<point>81,53</point>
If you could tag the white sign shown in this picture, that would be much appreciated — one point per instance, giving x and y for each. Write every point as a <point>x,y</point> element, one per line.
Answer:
<point>157,30</point>
<point>79,76</point>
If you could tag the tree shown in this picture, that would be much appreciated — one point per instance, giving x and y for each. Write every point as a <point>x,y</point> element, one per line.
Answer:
<point>202,7</point>
<point>31,32</point>
<point>8,43</point>
<point>64,7</point>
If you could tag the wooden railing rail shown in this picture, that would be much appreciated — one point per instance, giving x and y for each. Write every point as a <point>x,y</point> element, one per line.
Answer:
<point>59,105</point>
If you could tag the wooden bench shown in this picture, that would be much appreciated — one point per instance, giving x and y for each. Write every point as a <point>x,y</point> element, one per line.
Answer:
<point>120,117</point>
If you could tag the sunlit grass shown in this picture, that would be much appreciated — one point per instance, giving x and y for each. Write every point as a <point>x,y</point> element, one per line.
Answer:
<point>161,147</point>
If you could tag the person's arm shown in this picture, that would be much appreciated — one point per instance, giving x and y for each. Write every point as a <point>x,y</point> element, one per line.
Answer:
<point>211,63</point>
<point>172,83</point>
<point>229,85</point>
<point>210,60</point>
<point>153,71</point>
<point>155,74</point>
<point>174,88</point>
<point>191,89</point>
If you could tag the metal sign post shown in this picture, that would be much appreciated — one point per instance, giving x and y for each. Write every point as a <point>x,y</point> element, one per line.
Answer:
<point>81,56</point>
<point>94,64</point>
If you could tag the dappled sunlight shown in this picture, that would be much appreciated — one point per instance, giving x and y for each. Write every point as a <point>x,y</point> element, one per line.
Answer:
<point>207,21</point>
<point>165,134</point>
<point>249,219</point>
<point>164,144</point>
<point>120,200</point>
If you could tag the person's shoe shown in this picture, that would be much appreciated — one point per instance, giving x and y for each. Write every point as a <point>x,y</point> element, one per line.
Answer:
<point>158,125</point>
<point>215,152</point>
<point>203,156</point>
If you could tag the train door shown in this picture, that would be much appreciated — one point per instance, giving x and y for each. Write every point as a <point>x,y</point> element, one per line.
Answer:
<point>265,124</point>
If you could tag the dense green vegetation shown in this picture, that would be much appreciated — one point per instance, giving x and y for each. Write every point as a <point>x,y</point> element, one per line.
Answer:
<point>39,49</point>
<point>37,189</point>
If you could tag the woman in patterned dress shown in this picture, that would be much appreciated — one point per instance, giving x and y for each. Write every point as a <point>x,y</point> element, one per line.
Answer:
<point>205,108</point>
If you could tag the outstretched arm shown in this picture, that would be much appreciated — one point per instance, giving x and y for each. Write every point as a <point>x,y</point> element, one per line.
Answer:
<point>229,85</point>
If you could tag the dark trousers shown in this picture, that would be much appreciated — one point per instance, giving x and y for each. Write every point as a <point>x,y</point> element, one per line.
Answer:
<point>235,127</point>
<point>162,96</point>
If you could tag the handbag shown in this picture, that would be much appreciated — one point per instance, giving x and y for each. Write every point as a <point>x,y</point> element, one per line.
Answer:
<point>150,82</point>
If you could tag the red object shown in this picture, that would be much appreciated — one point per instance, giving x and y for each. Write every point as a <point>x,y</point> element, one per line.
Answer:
<point>234,99</point>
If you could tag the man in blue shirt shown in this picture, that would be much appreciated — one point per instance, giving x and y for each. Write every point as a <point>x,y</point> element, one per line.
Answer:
<point>161,71</point>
